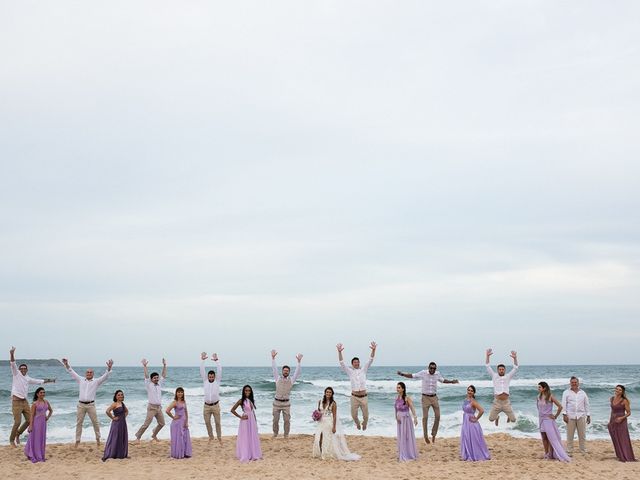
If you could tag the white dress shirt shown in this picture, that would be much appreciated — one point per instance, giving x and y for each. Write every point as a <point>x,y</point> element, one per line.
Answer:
<point>575,404</point>
<point>88,388</point>
<point>20,383</point>
<point>429,382</point>
<point>501,383</point>
<point>211,389</point>
<point>154,391</point>
<point>357,376</point>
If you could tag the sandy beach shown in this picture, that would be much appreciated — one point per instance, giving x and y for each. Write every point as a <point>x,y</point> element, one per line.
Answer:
<point>511,458</point>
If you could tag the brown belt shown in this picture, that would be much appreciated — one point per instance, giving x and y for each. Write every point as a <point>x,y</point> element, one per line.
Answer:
<point>212,404</point>
<point>87,403</point>
<point>281,399</point>
<point>359,395</point>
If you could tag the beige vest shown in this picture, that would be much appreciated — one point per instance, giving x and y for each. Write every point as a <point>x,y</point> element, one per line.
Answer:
<point>283,389</point>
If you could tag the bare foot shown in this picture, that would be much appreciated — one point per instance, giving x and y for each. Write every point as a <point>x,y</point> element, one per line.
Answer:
<point>98,442</point>
<point>220,441</point>
<point>358,426</point>
<point>364,426</point>
<point>137,441</point>
<point>76,445</point>
<point>497,420</point>
<point>13,444</point>
<point>433,439</point>
<point>17,440</point>
<point>155,439</point>
<point>426,440</point>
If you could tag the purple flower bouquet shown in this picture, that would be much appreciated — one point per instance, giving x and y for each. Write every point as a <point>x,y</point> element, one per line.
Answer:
<point>316,415</point>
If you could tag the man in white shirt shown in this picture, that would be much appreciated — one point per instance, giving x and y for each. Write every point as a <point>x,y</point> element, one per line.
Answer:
<point>281,401</point>
<point>19,393</point>
<point>430,378</point>
<point>153,385</point>
<point>577,414</point>
<point>358,378</point>
<point>501,381</point>
<point>211,384</point>
<point>88,386</point>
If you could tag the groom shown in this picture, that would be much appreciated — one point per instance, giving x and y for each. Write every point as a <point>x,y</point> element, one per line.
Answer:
<point>358,378</point>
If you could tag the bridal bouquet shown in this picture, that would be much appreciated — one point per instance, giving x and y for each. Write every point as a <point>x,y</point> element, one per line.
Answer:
<point>316,415</point>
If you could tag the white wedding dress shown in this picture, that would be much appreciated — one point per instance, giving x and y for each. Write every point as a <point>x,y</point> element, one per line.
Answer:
<point>334,445</point>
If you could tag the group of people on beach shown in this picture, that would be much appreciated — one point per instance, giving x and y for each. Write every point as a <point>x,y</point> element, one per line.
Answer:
<point>329,440</point>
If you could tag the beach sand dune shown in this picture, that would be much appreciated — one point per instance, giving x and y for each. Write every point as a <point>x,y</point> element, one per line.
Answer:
<point>513,458</point>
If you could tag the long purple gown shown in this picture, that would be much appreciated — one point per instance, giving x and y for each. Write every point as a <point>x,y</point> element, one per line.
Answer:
<point>248,441</point>
<point>180,438</point>
<point>472,444</point>
<point>37,441</point>
<point>407,449</point>
<point>548,426</point>
<point>117,445</point>
<point>620,434</point>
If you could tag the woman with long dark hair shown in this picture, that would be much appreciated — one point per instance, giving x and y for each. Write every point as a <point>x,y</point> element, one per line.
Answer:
<point>40,413</point>
<point>618,428</point>
<point>328,441</point>
<point>248,441</point>
<point>472,444</point>
<point>407,449</point>
<point>117,445</point>
<point>180,437</point>
<point>551,440</point>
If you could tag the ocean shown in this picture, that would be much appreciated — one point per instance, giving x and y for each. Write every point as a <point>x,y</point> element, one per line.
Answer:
<point>597,380</point>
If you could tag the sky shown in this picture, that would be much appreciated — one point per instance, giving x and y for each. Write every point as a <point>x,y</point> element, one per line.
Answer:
<point>232,177</point>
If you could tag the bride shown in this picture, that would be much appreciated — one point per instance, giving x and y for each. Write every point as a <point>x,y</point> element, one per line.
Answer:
<point>329,441</point>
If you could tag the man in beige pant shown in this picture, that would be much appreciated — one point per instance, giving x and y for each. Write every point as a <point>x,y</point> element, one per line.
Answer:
<point>358,378</point>
<point>281,401</point>
<point>501,381</point>
<point>19,391</point>
<point>211,385</point>
<point>577,415</point>
<point>153,386</point>
<point>88,386</point>
<point>430,378</point>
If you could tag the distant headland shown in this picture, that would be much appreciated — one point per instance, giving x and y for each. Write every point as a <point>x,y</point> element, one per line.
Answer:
<point>34,362</point>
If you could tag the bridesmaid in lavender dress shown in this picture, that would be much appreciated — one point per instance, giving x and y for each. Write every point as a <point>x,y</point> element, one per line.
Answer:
<point>551,440</point>
<point>618,428</point>
<point>407,449</point>
<point>472,444</point>
<point>180,438</point>
<point>40,413</point>
<point>117,445</point>
<point>248,441</point>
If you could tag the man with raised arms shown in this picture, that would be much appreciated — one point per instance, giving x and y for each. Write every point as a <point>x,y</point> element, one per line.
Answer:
<point>501,381</point>
<point>88,386</point>
<point>358,378</point>
<point>153,386</point>
<point>211,384</point>
<point>281,401</point>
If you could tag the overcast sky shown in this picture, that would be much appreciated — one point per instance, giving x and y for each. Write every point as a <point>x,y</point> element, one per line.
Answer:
<point>440,177</point>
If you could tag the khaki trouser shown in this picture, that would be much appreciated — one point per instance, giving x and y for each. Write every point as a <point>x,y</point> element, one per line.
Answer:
<point>426,403</point>
<point>579,424</point>
<point>19,408</point>
<point>285,408</point>
<point>501,406</point>
<point>153,411</point>
<point>214,410</point>
<point>81,411</point>
<point>359,403</point>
